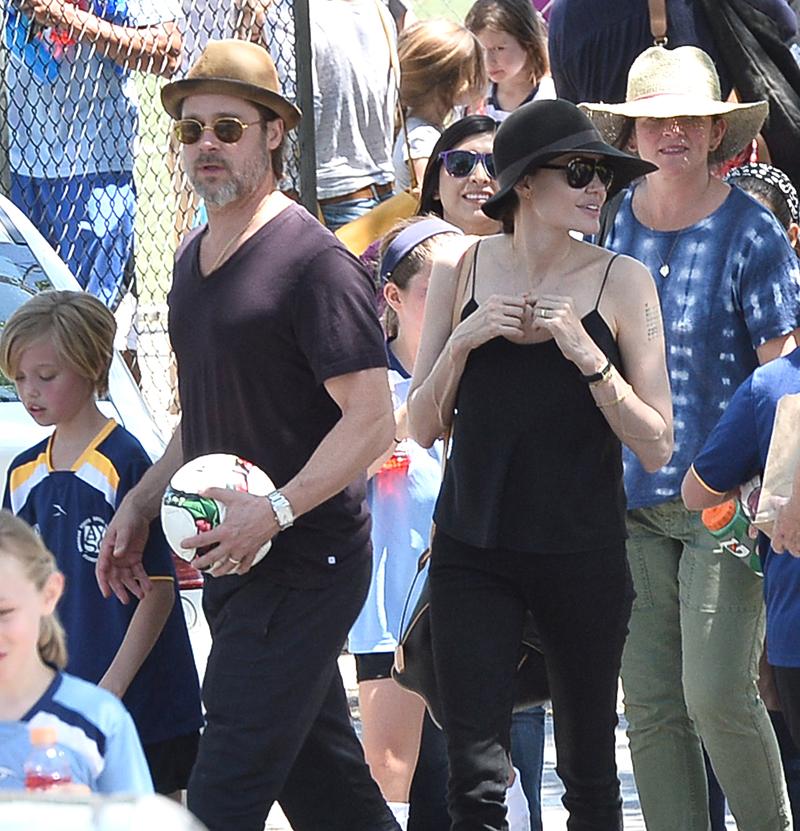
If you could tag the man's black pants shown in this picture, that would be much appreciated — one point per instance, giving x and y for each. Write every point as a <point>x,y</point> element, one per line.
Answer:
<point>278,727</point>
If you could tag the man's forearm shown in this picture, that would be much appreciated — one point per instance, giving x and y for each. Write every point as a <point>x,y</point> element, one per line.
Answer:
<point>146,496</point>
<point>343,455</point>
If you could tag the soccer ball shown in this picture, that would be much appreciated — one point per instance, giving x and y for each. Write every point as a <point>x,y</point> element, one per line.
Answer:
<point>185,513</point>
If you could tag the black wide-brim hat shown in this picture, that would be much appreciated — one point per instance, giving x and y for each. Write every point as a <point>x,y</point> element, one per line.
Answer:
<point>540,131</point>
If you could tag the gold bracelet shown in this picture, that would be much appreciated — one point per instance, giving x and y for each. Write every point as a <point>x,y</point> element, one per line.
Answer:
<point>619,398</point>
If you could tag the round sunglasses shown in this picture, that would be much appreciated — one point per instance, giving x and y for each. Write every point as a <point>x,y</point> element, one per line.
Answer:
<point>461,163</point>
<point>227,129</point>
<point>580,171</point>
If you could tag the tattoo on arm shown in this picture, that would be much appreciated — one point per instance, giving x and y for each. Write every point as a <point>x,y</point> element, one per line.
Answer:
<point>652,319</point>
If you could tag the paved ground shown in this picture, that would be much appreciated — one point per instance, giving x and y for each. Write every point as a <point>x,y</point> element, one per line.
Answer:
<point>554,817</point>
<point>553,814</point>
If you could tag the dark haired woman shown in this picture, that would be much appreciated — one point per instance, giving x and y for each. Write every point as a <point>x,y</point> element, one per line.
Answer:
<point>531,512</point>
<point>459,178</point>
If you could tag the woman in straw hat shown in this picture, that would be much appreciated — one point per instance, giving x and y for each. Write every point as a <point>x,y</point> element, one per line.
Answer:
<point>728,285</point>
<point>531,512</point>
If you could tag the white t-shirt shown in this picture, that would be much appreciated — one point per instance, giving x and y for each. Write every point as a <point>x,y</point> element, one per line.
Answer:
<point>422,136</point>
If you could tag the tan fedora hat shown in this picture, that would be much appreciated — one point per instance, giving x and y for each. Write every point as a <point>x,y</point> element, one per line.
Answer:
<point>232,67</point>
<point>665,83</point>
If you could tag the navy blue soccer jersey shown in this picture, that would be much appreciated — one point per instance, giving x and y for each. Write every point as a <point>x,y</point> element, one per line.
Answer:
<point>71,510</point>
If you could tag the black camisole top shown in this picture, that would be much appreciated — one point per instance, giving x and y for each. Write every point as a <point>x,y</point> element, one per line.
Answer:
<point>534,465</point>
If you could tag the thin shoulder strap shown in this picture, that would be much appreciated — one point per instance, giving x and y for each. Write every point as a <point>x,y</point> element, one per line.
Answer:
<point>474,266</point>
<point>465,272</point>
<point>605,278</point>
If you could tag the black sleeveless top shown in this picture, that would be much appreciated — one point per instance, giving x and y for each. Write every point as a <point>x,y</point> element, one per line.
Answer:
<point>534,465</point>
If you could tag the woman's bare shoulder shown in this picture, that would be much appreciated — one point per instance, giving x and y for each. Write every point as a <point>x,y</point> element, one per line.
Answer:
<point>623,273</point>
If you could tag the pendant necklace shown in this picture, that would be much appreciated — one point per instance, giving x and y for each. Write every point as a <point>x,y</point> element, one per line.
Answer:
<point>664,270</point>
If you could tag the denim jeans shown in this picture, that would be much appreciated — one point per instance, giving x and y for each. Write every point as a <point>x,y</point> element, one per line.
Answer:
<point>580,603</point>
<point>527,754</point>
<point>689,672</point>
<point>89,221</point>
<point>337,214</point>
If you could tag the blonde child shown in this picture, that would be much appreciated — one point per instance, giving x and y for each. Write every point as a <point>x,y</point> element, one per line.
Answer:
<point>514,44</point>
<point>94,730</point>
<point>57,348</point>
<point>441,68</point>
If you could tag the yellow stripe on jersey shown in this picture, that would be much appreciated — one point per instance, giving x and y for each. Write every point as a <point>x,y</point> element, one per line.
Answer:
<point>101,436</point>
<point>25,478</point>
<point>98,471</point>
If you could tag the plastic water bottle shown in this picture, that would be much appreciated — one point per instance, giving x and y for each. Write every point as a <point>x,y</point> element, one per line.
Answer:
<point>399,461</point>
<point>46,765</point>
<point>730,524</point>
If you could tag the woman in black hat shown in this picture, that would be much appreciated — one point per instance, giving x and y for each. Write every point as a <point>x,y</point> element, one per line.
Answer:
<point>558,358</point>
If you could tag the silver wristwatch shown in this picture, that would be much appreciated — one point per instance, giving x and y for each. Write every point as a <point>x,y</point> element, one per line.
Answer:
<point>282,509</point>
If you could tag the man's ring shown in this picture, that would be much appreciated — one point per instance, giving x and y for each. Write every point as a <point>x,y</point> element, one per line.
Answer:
<point>235,562</point>
<point>544,313</point>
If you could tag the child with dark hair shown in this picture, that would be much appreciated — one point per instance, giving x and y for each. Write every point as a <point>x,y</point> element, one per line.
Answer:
<point>514,43</point>
<point>773,189</point>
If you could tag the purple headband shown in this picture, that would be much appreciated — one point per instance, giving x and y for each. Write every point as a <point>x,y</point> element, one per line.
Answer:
<point>409,238</point>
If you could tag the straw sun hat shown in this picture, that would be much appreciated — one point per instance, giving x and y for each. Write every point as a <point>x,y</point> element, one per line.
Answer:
<point>666,83</point>
<point>232,67</point>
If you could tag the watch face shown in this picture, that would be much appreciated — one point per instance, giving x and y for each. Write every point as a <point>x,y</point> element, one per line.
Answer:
<point>283,510</point>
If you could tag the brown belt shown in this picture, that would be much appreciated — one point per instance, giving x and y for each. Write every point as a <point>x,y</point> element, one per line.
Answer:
<point>372,191</point>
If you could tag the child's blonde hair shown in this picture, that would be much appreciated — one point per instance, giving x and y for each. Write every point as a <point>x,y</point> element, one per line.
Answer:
<point>81,327</point>
<point>439,59</point>
<point>519,19</point>
<point>19,541</point>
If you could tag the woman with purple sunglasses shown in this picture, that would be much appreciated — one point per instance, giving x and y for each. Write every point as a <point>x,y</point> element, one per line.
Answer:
<point>459,178</point>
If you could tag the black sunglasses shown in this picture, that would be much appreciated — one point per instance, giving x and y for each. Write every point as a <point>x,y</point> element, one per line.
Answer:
<point>581,171</point>
<point>461,163</point>
<point>227,129</point>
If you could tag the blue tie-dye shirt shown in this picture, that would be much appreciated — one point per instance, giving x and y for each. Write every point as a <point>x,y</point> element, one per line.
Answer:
<point>733,284</point>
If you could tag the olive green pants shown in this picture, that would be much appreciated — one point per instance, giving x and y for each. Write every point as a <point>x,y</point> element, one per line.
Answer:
<point>689,672</point>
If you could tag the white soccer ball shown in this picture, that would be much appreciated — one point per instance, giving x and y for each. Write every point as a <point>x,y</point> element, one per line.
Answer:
<point>185,513</point>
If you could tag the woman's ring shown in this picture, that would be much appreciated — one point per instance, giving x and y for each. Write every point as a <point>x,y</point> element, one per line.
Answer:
<point>235,562</point>
<point>544,313</point>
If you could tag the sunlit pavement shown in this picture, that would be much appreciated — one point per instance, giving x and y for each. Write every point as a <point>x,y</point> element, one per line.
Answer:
<point>554,817</point>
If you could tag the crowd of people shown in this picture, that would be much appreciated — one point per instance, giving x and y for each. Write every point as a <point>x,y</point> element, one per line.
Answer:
<point>587,328</point>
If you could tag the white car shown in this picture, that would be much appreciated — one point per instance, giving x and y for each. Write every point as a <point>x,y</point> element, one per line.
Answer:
<point>28,265</point>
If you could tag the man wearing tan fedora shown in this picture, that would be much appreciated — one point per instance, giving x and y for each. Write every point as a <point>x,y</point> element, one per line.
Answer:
<point>281,361</point>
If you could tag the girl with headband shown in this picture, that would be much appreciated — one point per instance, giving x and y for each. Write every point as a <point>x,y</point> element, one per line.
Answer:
<point>402,490</point>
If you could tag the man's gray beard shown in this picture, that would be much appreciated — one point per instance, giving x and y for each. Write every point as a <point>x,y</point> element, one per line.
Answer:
<point>220,195</point>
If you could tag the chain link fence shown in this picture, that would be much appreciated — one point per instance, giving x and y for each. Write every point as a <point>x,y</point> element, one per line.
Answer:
<point>86,150</point>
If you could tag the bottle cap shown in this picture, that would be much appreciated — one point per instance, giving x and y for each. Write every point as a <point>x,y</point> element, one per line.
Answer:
<point>43,735</point>
<point>716,518</point>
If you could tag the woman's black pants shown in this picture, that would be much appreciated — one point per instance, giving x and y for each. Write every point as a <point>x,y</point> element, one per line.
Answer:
<point>581,603</point>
